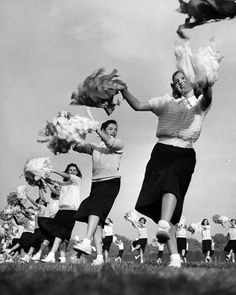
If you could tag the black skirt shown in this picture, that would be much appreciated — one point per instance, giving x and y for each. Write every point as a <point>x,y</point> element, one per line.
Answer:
<point>181,244</point>
<point>169,170</point>
<point>231,245</point>
<point>141,242</point>
<point>37,239</point>
<point>100,200</point>
<point>106,243</point>
<point>25,241</point>
<point>60,226</point>
<point>206,246</point>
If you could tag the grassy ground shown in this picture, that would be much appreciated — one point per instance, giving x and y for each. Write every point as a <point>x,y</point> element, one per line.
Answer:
<point>127,278</point>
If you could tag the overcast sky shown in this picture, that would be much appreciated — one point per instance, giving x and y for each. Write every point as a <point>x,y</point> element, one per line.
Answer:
<point>47,47</point>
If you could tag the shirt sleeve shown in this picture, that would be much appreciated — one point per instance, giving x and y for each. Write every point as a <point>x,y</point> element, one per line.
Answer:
<point>115,144</point>
<point>86,148</point>
<point>75,179</point>
<point>157,103</point>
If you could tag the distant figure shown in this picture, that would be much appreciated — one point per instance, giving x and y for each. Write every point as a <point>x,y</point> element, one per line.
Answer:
<point>230,248</point>
<point>206,239</point>
<point>108,238</point>
<point>141,242</point>
<point>120,246</point>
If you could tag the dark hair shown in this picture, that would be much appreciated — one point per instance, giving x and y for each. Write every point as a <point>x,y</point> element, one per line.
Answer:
<point>105,124</point>
<point>202,223</point>
<point>79,174</point>
<point>176,94</point>
<point>38,201</point>
<point>144,219</point>
<point>233,219</point>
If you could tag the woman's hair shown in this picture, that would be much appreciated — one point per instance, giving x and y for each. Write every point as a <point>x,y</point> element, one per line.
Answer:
<point>202,223</point>
<point>233,219</point>
<point>79,174</point>
<point>176,93</point>
<point>105,124</point>
<point>38,201</point>
<point>144,219</point>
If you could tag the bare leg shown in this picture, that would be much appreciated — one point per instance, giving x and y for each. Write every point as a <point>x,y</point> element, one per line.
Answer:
<point>93,221</point>
<point>172,243</point>
<point>98,240</point>
<point>141,255</point>
<point>168,205</point>
<point>56,245</point>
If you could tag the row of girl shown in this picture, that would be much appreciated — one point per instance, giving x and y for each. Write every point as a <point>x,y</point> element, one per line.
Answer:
<point>167,176</point>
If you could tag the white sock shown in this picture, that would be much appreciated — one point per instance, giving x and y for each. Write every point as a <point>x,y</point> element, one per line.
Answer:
<point>175,257</point>
<point>87,241</point>
<point>100,256</point>
<point>164,223</point>
<point>51,254</point>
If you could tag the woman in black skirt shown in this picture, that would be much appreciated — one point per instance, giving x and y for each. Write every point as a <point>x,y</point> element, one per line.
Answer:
<point>60,227</point>
<point>94,210</point>
<point>170,168</point>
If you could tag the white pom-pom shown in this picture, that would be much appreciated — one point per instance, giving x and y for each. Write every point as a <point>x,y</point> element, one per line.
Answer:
<point>131,216</point>
<point>22,193</point>
<point>39,167</point>
<point>200,68</point>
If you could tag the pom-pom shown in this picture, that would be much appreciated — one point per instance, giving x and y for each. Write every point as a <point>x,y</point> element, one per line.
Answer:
<point>218,219</point>
<point>12,199</point>
<point>131,216</point>
<point>200,69</point>
<point>22,193</point>
<point>194,227</point>
<point>98,90</point>
<point>36,169</point>
<point>66,129</point>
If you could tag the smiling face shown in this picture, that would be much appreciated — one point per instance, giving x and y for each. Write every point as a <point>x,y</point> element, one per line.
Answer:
<point>72,170</point>
<point>111,129</point>
<point>181,84</point>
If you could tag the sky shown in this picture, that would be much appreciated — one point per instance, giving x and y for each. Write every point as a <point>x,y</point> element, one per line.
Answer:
<point>48,47</point>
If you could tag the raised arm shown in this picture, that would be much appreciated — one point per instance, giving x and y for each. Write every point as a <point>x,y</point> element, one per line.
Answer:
<point>134,102</point>
<point>207,97</point>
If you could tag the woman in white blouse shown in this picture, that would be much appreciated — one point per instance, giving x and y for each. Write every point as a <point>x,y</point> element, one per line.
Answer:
<point>170,168</point>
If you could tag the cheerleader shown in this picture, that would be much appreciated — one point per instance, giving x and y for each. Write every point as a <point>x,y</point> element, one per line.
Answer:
<point>38,237</point>
<point>120,245</point>
<point>186,252</point>
<point>94,210</point>
<point>160,247</point>
<point>181,237</point>
<point>108,238</point>
<point>24,242</point>
<point>169,171</point>
<point>230,248</point>
<point>141,242</point>
<point>60,227</point>
<point>50,212</point>
<point>206,239</point>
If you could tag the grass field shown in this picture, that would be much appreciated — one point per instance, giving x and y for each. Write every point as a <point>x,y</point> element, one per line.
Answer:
<point>127,278</point>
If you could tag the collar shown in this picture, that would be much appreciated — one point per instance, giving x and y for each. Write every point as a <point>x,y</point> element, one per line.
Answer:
<point>192,101</point>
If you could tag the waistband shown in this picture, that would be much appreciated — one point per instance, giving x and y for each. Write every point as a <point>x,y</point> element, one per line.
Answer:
<point>175,141</point>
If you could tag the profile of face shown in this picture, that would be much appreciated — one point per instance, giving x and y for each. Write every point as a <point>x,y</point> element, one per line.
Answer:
<point>72,170</point>
<point>111,130</point>
<point>181,84</point>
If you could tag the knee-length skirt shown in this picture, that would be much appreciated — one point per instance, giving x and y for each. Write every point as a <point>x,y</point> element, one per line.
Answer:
<point>169,170</point>
<point>100,200</point>
<point>60,226</point>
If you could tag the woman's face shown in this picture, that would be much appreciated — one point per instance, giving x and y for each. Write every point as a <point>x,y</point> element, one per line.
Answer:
<point>205,222</point>
<point>181,83</point>
<point>72,170</point>
<point>111,130</point>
